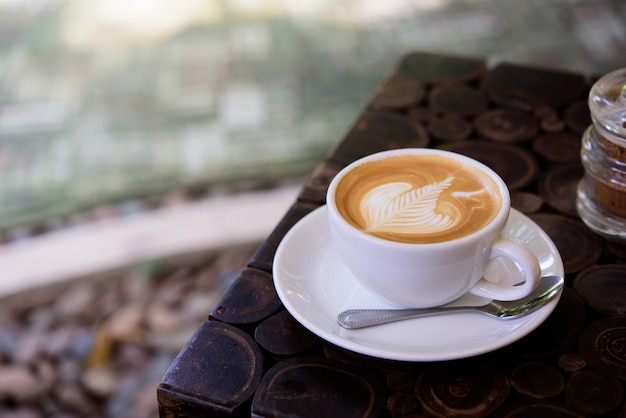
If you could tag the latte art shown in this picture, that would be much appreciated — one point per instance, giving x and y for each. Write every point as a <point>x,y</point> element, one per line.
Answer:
<point>400,208</point>
<point>417,198</point>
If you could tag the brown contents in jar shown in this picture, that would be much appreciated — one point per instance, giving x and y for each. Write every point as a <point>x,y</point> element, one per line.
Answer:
<point>606,185</point>
<point>610,148</point>
<point>609,196</point>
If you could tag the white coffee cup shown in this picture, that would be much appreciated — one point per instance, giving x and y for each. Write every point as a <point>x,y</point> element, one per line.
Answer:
<point>419,227</point>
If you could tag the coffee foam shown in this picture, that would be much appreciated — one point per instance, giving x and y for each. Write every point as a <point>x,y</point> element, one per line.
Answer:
<point>418,198</point>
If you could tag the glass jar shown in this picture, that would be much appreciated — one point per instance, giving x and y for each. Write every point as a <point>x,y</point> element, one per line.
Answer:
<point>601,201</point>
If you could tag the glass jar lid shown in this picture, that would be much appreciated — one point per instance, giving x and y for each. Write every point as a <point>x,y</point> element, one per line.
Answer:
<point>607,102</point>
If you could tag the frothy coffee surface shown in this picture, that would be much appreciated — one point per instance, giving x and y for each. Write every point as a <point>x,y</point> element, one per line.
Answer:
<point>418,198</point>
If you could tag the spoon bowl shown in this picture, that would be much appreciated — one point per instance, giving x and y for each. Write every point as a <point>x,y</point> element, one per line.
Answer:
<point>546,290</point>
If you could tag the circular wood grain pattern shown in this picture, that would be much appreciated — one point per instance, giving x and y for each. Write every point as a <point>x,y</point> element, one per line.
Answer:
<point>594,393</point>
<point>543,111</point>
<point>577,116</point>
<point>552,123</point>
<point>537,380</point>
<point>532,408</point>
<point>526,202</point>
<point>450,129</point>
<point>461,390</point>
<point>579,247</point>
<point>317,387</point>
<point>518,85</point>
<point>282,335</point>
<point>555,336</point>
<point>517,167</point>
<point>433,69</point>
<point>459,101</point>
<point>230,361</point>
<point>399,381</point>
<point>343,355</point>
<point>558,187</point>
<point>572,362</point>
<point>617,249</point>
<point>603,345</point>
<point>506,125</point>
<point>251,298</point>
<point>603,288</point>
<point>559,148</point>
<point>399,92</point>
<point>401,404</point>
<point>379,131</point>
<point>422,115</point>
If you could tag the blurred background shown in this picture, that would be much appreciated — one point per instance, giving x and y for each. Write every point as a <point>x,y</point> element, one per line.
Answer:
<point>103,102</point>
<point>134,132</point>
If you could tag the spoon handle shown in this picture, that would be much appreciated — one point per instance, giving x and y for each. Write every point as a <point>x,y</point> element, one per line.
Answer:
<point>361,318</point>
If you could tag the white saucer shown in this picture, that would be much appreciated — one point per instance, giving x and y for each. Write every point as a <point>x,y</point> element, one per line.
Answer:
<point>315,286</point>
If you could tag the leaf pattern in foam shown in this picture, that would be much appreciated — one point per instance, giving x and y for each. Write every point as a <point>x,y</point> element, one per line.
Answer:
<point>398,206</point>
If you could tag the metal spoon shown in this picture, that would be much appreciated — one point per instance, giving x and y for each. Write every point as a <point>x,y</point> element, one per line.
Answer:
<point>548,287</point>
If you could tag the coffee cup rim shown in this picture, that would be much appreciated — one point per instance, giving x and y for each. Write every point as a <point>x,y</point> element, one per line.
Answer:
<point>500,218</point>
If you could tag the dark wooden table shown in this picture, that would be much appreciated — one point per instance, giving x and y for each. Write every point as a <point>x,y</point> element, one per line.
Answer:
<point>251,358</point>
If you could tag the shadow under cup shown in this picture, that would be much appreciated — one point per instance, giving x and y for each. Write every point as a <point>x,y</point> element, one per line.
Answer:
<point>424,274</point>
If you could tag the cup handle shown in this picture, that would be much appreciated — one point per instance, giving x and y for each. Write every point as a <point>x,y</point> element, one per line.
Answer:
<point>527,263</point>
